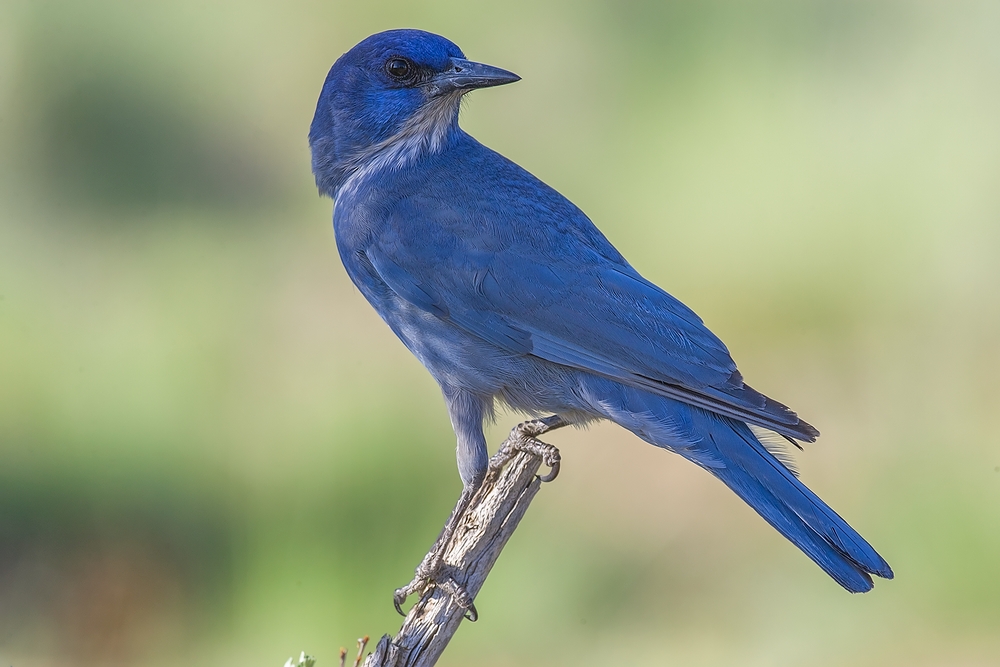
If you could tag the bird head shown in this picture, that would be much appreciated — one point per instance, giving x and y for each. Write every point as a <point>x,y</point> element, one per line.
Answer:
<point>398,89</point>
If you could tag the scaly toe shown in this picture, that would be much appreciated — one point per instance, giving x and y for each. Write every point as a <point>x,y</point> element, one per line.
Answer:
<point>418,585</point>
<point>461,597</point>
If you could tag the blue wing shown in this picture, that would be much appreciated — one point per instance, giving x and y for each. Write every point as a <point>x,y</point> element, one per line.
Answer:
<point>562,293</point>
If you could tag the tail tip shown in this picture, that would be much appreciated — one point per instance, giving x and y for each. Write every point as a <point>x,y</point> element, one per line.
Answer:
<point>885,571</point>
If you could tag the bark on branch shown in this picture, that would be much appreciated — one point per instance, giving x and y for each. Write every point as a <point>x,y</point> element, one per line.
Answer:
<point>491,518</point>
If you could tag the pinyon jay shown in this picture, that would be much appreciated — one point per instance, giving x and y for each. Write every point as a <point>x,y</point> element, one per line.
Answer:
<point>508,293</point>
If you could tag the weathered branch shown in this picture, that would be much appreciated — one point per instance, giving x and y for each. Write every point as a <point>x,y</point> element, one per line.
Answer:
<point>491,518</point>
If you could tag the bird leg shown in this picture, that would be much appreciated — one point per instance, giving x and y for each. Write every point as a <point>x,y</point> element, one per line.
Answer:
<point>426,573</point>
<point>522,438</point>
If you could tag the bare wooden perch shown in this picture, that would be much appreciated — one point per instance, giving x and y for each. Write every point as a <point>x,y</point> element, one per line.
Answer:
<point>479,536</point>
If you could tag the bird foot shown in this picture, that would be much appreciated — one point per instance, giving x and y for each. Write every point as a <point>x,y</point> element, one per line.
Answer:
<point>523,438</point>
<point>430,573</point>
<point>433,571</point>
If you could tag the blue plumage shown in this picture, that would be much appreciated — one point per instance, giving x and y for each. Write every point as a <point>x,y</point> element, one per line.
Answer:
<point>506,291</point>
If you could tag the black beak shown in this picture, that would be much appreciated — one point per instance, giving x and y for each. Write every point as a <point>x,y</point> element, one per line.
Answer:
<point>467,75</point>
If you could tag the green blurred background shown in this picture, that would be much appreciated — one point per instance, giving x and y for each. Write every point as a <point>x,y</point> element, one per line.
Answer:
<point>212,451</point>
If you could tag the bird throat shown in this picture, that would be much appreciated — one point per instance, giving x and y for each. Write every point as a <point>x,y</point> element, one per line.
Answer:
<point>424,133</point>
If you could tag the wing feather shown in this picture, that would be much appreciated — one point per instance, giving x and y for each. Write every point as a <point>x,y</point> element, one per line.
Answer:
<point>575,308</point>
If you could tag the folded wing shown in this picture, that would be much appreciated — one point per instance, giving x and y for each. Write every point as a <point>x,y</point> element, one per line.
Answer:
<point>577,308</point>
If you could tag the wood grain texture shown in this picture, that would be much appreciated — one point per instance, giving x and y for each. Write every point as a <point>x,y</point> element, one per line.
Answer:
<point>491,518</point>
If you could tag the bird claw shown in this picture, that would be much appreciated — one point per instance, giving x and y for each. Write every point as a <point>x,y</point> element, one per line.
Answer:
<point>423,577</point>
<point>429,574</point>
<point>399,597</point>
<point>424,581</point>
<point>552,474</point>
<point>460,597</point>
<point>524,439</point>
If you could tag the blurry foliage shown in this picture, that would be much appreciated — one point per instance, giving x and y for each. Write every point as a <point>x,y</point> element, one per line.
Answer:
<point>109,123</point>
<point>303,661</point>
<point>212,450</point>
<point>124,141</point>
<point>103,559</point>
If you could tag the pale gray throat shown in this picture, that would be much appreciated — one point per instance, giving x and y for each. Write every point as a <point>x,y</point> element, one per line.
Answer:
<point>422,134</point>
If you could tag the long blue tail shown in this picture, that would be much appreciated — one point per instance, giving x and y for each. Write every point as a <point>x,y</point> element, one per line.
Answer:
<point>796,512</point>
<point>728,449</point>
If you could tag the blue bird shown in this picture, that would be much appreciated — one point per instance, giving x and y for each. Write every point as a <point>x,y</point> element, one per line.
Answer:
<point>507,292</point>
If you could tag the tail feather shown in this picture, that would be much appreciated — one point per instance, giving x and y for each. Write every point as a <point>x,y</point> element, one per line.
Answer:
<point>796,512</point>
<point>727,448</point>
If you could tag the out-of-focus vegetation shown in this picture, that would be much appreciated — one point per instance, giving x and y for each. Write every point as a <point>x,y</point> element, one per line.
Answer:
<point>213,452</point>
<point>307,660</point>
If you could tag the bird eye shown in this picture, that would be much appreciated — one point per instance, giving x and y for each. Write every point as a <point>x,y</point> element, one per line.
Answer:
<point>398,68</point>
